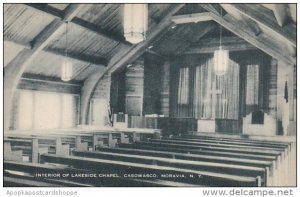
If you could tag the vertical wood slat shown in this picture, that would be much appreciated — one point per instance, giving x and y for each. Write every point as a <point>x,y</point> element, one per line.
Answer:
<point>165,89</point>
<point>273,89</point>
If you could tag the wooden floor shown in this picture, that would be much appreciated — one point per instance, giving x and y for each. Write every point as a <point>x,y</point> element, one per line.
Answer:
<point>119,159</point>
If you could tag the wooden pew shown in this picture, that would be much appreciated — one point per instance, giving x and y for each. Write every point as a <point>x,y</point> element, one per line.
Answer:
<point>271,169</point>
<point>286,161</point>
<point>228,142</point>
<point>217,148</point>
<point>12,155</point>
<point>234,140</point>
<point>94,136</point>
<point>110,166</point>
<point>281,152</point>
<point>192,157</point>
<point>18,174</point>
<point>220,145</point>
<point>231,169</point>
<point>140,134</point>
<point>35,145</point>
<point>26,174</point>
<point>24,148</point>
<point>268,165</point>
<point>149,146</point>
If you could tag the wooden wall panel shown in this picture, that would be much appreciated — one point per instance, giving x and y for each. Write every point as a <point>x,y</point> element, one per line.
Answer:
<point>152,84</point>
<point>165,89</point>
<point>229,126</point>
<point>134,88</point>
<point>117,92</point>
<point>103,88</point>
<point>169,126</point>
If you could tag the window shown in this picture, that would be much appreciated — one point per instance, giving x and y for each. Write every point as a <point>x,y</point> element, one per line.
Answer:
<point>43,110</point>
<point>25,112</point>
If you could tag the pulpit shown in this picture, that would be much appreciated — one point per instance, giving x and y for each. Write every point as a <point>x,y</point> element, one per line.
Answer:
<point>121,120</point>
<point>263,125</point>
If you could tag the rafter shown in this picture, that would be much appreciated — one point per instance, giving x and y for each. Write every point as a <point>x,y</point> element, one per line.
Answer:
<point>209,7</point>
<point>30,81</point>
<point>122,57</point>
<point>14,70</point>
<point>265,45</point>
<point>259,15</point>
<point>199,34</point>
<point>212,44</point>
<point>81,23</point>
<point>293,11</point>
<point>61,52</point>
<point>37,77</point>
<point>22,44</point>
<point>79,56</point>
<point>252,25</point>
<point>192,18</point>
<point>280,14</point>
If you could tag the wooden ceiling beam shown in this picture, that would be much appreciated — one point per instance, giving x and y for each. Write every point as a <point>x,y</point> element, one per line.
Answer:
<point>252,25</point>
<point>192,18</point>
<point>212,44</point>
<point>122,58</point>
<point>259,15</point>
<point>100,31</point>
<point>19,43</point>
<point>14,70</point>
<point>61,52</point>
<point>202,32</point>
<point>79,56</point>
<point>293,11</point>
<point>267,46</point>
<point>45,9</point>
<point>280,14</point>
<point>81,23</point>
<point>209,7</point>
<point>38,77</point>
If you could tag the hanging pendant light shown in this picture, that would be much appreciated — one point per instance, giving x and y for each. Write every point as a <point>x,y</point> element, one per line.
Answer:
<point>135,22</point>
<point>221,58</point>
<point>67,66</point>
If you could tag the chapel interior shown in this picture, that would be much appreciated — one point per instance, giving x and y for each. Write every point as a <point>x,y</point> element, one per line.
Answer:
<point>150,95</point>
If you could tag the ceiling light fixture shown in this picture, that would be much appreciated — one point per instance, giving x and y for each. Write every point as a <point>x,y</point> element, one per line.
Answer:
<point>135,22</point>
<point>67,66</point>
<point>221,57</point>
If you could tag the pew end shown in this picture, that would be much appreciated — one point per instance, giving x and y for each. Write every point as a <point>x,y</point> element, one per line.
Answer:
<point>11,155</point>
<point>79,145</point>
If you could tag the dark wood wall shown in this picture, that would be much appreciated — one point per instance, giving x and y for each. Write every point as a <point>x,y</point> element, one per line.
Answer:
<point>136,89</point>
<point>152,81</point>
<point>117,92</point>
<point>165,88</point>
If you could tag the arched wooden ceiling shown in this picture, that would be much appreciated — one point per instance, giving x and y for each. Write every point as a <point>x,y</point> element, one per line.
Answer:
<point>34,40</point>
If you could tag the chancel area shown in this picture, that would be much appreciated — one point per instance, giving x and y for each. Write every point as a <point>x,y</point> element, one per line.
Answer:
<point>164,95</point>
